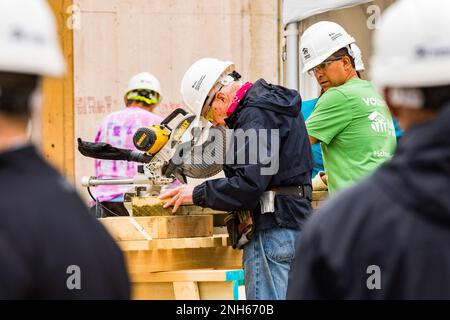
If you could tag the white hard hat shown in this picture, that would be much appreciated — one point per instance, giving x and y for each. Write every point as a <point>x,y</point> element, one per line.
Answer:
<point>28,38</point>
<point>144,81</point>
<point>412,45</point>
<point>199,79</point>
<point>359,63</point>
<point>320,41</point>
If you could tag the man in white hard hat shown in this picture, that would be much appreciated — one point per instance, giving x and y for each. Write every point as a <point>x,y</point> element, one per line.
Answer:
<point>319,176</point>
<point>50,246</point>
<point>318,173</point>
<point>268,207</point>
<point>389,237</point>
<point>350,120</point>
<point>142,96</point>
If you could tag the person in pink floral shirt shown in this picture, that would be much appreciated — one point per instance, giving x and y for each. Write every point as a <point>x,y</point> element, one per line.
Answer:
<point>142,96</point>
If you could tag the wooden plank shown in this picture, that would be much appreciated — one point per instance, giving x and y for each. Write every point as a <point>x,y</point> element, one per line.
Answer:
<point>184,226</point>
<point>152,206</point>
<point>216,241</point>
<point>320,195</point>
<point>216,290</point>
<point>152,291</point>
<point>149,206</point>
<point>165,291</point>
<point>122,228</point>
<point>186,291</point>
<point>58,102</point>
<point>181,275</point>
<point>183,259</point>
<point>210,284</point>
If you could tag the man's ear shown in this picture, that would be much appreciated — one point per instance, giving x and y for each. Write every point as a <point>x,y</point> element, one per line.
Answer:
<point>221,97</point>
<point>347,63</point>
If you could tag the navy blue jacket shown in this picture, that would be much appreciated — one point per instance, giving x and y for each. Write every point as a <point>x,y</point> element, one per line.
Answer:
<point>44,230</point>
<point>398,220</point>
<point>265,106</point>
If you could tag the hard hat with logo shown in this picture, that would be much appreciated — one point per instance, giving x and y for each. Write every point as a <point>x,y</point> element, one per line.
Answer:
<point>200,79</point>
<point>144,87</point>
<point>412,45</point>
<point>320,41</point>
<point>28,39</point>
<point>359,63</point>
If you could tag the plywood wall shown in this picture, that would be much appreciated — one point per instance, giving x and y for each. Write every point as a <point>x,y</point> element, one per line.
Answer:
<point>119,38</point>
<point>55,132</point>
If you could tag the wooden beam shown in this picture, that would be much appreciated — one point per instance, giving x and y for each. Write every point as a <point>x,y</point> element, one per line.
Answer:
<point>201,284</point>
<point>153,291</point>
<point>152,206</point>
<point>165,291</point>
<point>123,228</point>
<point>216,241</point>
<point>216,290</point>
<point>58,101</point>
<point>199,275</point>
<point>183,259</point>
<point>186,290</point>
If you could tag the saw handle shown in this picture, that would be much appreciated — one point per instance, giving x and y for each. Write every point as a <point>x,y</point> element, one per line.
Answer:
<point>173,115</point>
<point>139,157</point>
<point>106,151</point>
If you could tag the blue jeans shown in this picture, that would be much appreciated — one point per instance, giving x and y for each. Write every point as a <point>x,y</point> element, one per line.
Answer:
<point>267,261</point>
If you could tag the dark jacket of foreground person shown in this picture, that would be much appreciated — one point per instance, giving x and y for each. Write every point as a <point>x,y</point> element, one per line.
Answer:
<point>50,246</point>
<point>397,220</point>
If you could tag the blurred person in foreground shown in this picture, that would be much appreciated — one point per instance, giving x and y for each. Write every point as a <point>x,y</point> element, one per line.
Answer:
<point>50,246</point>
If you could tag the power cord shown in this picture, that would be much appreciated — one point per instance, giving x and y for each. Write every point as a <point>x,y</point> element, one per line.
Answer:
<point>99,203</point>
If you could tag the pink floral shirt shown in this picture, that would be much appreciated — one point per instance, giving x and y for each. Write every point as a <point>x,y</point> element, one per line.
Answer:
<point>118,129</point>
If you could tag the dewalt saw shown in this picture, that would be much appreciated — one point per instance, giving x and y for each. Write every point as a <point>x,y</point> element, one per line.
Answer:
<point>174,149</point>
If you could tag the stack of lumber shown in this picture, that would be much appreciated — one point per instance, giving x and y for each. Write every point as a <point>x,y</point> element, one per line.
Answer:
<point>176,256</point>
<point>189,285</point>
<point>179,256</point>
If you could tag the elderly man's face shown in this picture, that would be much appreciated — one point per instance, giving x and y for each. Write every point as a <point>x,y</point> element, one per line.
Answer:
<point>217,113</point>
<point>332,72</point>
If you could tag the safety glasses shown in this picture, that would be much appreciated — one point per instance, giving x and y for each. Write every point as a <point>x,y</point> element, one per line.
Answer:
<point>208,114</point>
<point>321,67</point>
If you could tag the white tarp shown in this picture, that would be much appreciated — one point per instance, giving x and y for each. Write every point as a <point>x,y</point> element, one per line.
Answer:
<point>298,10</point>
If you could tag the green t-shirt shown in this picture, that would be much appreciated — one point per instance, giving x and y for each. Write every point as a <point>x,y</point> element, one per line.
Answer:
<point>356,132</point>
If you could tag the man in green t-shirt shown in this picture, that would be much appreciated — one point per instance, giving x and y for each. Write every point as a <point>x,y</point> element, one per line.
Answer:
<point>351,120</point>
